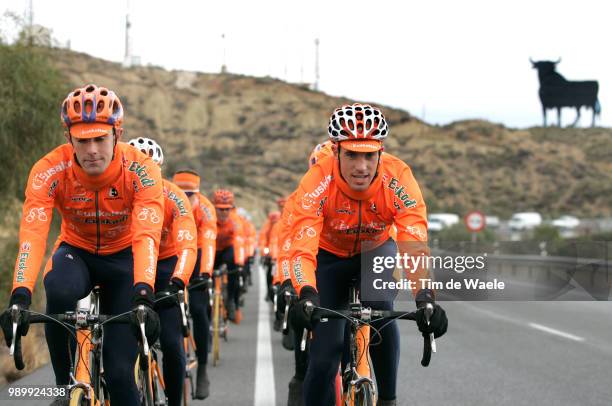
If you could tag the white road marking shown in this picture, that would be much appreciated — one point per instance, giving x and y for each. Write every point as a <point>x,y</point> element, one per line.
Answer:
<point>265,390</point>
<point>556,332</point>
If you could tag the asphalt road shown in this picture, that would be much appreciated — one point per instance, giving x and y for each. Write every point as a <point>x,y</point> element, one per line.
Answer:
<point>495,353</point>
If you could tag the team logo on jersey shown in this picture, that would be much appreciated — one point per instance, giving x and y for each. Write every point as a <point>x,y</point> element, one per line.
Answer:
<point>41,178</point>
<point>112,193</point>
<point>400,193</point>
<point>52,188</point>
<point>180,204</point>
<point>141,172</point>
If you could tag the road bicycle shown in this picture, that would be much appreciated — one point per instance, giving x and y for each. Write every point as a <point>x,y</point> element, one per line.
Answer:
<point>355,385</point>
<point>87,385</point>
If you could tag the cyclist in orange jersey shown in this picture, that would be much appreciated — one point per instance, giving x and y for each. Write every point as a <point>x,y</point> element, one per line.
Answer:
<point>264,249</point>
<point>176,261</point>
<point>344,206</point>
<point>291,341</point>
<point>230,248</point>
<point>250,243</point>
<point>206,223</point>
<point>110,198</point>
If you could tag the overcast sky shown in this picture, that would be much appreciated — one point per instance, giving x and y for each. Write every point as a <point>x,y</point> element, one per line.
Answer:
<point>441,60</point>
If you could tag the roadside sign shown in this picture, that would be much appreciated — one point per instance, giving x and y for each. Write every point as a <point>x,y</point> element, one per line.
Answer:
<point>475,221</point>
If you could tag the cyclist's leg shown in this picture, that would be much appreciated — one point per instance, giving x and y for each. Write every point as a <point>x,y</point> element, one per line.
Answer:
<point>385,356</point>
<point>66,281</point>
<point>333,277</point>
<point>233,286</point>
<point>171,338</point>
<point>198,306</point>
<point>115,274</point>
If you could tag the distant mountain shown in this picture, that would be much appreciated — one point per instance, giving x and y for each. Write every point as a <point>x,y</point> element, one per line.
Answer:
<point>254,136</point>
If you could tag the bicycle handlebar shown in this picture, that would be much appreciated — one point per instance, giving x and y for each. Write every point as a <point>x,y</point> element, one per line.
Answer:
<point>367,315</point>
<point>80,319</point>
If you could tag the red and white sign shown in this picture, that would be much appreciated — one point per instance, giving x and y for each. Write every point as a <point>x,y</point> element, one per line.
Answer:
<point>475,221</point>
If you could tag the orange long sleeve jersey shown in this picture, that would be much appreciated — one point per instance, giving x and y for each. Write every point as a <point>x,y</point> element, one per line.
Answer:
<point>264,237</point>
<point>230,232</point>
<point>206,224</point>
<point>328,214</point>
<point>179,233</point>
<point>284,240</point>
<point>103,215</point>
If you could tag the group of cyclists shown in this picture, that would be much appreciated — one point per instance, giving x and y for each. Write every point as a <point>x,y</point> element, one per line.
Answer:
<point>141,238</point>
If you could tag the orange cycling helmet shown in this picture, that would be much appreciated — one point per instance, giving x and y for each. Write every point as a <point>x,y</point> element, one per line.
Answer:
<point>91,105</point>
<point>223,199</point>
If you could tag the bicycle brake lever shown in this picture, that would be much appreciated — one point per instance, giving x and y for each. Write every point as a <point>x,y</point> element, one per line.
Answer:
<point>429,309</point>
<point>181,299</point>
<point>286,314</point>
<point>140,316</point>
<point>308,308</point>
<point>14,317</point>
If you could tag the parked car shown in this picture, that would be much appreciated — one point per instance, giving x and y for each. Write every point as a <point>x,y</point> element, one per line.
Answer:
<point>439,221</point>
<point>566,222</point>
<point>492,221</point>
<point>435,224</point>
<point>525,221</point>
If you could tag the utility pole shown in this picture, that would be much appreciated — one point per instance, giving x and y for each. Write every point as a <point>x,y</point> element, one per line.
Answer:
<point>223,65</point>
<point>316,83</point>
<point>127,58</point>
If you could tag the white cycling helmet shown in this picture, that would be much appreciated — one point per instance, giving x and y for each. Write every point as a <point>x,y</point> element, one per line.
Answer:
<point>241,211</point>
<point>148,147</point>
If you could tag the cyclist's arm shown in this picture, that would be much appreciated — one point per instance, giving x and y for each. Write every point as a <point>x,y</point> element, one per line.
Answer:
<point>185,236</point>
<point>306,229</point>
<point>239,241</point>
<point>264,248</point>
<point>207,237</point>
<point>274,251</point>
<point>284,237</point>
<point>147,222</point>
<point>411,224</point>
<point>34,228</point>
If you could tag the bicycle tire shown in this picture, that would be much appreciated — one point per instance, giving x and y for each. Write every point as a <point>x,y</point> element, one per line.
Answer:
<point>364,395</point>
<point>144,381</point>
<point>216,331</point>
<point>159,391</point>
<point>78,398</point>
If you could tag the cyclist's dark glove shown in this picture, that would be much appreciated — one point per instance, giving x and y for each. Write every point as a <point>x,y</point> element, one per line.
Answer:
<point>200,282</point>
<point>169,297</point>
<point>143,295</point>
<point>22,298</point>
<point>438,322</point>
<point>301,318</point>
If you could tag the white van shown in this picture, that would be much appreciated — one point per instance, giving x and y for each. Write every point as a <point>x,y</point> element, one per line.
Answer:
<point>439,221</point>
<point>525,221</point>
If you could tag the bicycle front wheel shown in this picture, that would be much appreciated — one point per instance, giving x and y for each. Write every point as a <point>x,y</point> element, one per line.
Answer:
<point>144,381</point>
<point>78,398</point>
<point>364,395</point>
<point>216,330</point>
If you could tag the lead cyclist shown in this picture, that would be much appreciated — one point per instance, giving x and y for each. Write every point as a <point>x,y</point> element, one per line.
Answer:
<point>110,200</point>
<point>344,207</point>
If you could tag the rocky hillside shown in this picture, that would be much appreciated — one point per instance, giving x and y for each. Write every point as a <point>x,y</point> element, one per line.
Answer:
<point>254,135</point>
